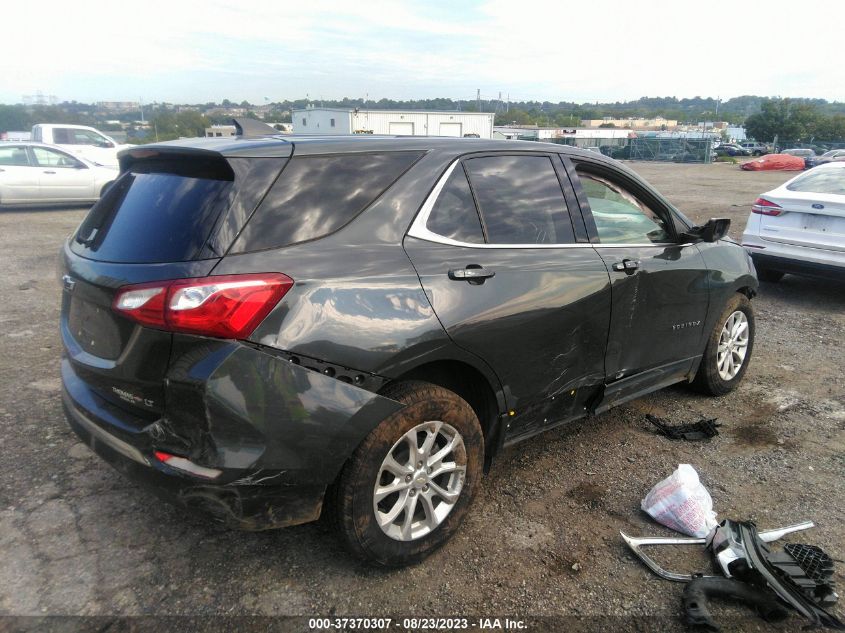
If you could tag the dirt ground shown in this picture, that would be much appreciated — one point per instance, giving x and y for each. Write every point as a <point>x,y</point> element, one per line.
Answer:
<point>542,539</point>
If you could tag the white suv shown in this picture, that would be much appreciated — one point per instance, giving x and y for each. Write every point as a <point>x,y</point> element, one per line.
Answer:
<point>799,227</point>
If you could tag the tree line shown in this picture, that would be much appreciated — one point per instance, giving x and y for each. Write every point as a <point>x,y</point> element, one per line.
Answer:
<point>794,119</point>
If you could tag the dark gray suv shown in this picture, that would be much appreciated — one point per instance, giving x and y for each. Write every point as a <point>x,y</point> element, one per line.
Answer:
<point>267,329</point>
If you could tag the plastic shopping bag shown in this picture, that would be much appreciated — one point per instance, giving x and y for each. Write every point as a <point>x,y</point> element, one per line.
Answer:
<point>682,503</point>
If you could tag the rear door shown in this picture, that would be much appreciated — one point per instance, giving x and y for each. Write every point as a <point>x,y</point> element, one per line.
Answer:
<point>514,281</point>
<point>660,289</point>
<point>18,177</point>
<point>62,177</point>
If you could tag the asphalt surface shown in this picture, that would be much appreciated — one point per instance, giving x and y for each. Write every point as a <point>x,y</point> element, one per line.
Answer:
<point>542,538</point>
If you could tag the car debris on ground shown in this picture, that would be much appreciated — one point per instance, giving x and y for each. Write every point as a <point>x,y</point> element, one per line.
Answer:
<point>797,577</point>
<point>704,429</point>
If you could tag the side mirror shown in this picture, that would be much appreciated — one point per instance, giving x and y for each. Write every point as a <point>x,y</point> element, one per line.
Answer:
<point>711,231</point>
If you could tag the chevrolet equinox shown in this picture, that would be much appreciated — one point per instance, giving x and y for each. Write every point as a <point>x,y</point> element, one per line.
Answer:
<point>269,329</point>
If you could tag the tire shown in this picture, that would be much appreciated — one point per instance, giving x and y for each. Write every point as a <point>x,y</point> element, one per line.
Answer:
<point>768,275</point>
<point>432,410</point>
<point>709,379</point>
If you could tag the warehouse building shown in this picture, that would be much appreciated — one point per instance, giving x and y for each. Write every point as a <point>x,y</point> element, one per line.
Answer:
<point>394,122</point>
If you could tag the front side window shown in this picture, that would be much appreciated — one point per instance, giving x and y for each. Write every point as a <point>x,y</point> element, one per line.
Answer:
<point>454,214</point>
<point>520,200</point>
<point>620,217</point>
<point>86,137</point>
<point>50,158</point>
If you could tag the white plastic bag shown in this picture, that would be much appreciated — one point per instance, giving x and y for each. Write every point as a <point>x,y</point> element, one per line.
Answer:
<point>681,502</point>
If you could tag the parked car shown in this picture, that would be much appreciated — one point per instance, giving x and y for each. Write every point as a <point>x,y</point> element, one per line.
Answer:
<point>268,330</point>
<point>756,148</point>
<point>80,140</point>
<point>33,173</point>
<point>732,149</point>
<point>827,157</point>
<point>802,152</point>
<point>779,162</point>
<point>799,227</point>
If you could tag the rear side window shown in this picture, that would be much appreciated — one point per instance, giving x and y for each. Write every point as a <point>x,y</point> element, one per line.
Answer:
<point>454,214</point>
<point>317,195</point>
<point>13,155</point>
<point>521,200</point>
<point>159,211</point>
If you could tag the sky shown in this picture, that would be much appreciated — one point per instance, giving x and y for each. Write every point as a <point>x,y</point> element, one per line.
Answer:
<point>187,51</point>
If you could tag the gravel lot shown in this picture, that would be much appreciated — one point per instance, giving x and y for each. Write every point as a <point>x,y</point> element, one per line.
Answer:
<point>542,538</point>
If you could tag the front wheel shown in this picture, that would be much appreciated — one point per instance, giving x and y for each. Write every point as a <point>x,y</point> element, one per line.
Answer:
<point>409,484</point>
<point>728,349</point>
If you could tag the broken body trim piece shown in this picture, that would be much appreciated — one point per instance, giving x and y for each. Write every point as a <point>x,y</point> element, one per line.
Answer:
<point>637,543</point>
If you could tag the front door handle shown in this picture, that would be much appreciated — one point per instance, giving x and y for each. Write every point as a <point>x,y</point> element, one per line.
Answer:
<point>49,172</point>
<point>472,273</point>
<point>628,266</point>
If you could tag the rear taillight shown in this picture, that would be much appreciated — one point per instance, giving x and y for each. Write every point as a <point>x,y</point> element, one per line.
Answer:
<point>223,306</point>
<point>765,207</point>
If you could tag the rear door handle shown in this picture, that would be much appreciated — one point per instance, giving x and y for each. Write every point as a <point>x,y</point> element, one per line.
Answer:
<point>628,266</point>
<point>471,273</point>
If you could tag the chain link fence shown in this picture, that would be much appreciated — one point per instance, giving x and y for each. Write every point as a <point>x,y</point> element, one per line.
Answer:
<point>651,148</point>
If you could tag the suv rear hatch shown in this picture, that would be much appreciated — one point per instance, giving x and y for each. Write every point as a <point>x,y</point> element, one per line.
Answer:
<point>170,215</point>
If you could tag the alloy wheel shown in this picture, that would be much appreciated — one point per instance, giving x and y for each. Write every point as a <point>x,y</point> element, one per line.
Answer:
<point>733,345</point>
<point>419,481</point>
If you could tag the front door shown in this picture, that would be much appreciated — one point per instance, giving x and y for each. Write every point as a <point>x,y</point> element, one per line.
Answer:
<point>514,283</point>
<point>62,177</point>
<point>659,286</point>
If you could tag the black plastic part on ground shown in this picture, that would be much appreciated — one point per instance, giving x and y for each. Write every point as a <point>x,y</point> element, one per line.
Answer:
<point>701,430</point>
<point>698,593</point>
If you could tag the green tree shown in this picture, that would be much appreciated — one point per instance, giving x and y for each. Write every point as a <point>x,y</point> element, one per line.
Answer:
<point>14,117</point>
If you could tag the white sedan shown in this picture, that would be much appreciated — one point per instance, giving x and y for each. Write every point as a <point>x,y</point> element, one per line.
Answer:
<point>799,227</point>
<point>33,173</point>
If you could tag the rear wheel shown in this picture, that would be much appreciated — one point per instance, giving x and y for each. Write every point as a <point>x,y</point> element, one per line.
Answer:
<point>728,350</point>
<point>407,487</point>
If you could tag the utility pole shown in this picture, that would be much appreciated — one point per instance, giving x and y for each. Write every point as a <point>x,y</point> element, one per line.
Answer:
<point>478,99</point>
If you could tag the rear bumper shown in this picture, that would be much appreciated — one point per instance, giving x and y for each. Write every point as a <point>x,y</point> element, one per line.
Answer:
<point>798,260</point>
<point>277,433</point>
<point>798,267</point>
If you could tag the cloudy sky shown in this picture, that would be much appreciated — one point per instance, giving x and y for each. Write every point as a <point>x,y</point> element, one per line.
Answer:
<point>604,50</point>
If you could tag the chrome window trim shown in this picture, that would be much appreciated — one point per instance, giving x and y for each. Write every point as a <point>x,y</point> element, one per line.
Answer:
<point>420,230</point>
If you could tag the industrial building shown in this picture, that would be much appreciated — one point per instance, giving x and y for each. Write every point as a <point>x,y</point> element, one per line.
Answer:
<point>394,122</point>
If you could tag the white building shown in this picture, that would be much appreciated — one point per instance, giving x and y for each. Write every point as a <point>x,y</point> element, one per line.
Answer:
<point>220,130</point>
<point>394,122</point>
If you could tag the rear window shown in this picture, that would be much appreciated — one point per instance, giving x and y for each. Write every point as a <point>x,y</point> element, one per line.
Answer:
<point>158,211</point>
<point>820,181</point>
<point>317,195</point>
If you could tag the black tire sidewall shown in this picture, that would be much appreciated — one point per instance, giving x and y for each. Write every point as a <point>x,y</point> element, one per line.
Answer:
<point>356,517</point>
<point>708,379</point>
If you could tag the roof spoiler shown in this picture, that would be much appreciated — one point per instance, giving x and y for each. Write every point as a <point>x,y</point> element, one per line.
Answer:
<point>251,128</point>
